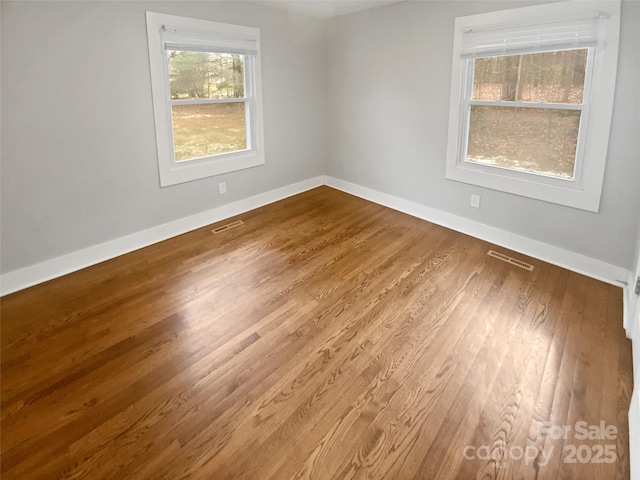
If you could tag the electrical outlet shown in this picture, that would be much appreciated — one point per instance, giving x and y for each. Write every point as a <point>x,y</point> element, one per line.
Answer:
<point>475,201</point>
<point>222,187</point>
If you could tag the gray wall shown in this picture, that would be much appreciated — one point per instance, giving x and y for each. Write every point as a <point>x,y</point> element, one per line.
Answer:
<point>78,147</point>
<point>388,85</point>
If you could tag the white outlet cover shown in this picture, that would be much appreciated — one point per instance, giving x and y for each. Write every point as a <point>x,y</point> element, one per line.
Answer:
<point>475,201</point>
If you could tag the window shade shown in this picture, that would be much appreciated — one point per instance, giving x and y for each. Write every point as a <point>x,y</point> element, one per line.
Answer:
<point>535,37</point>
<point>174,39</point>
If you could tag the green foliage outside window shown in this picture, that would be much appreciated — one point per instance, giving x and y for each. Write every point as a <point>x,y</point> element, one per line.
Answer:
<point>205,75</point>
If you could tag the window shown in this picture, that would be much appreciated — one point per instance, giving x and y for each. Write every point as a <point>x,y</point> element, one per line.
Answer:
<point>205,80</point>
<point>531,100</point>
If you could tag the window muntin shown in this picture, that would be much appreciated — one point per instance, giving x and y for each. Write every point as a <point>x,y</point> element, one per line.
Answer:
<point>523,111</point>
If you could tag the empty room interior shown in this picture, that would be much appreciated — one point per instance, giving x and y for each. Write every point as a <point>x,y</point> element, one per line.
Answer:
<point>371,239</point>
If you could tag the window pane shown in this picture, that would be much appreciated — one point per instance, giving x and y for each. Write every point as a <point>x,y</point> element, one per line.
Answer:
<point>539,140</point>
<point>205,75</point>
<point>209,129</point>
<point>553,77</point>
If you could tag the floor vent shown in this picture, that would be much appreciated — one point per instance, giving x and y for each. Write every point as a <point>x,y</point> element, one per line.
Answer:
<point>512,261</point>
<point>228,226</point>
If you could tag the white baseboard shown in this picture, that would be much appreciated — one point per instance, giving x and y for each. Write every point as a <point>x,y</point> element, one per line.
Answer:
<point>56,267</point>
<point>41,272</point>
<point>575,262</point>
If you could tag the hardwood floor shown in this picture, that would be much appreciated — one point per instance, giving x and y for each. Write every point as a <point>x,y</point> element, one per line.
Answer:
<point>327,337</point>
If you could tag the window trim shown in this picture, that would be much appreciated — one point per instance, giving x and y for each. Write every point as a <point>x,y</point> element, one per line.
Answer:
<point>171,171</point>
<point>585,189</point>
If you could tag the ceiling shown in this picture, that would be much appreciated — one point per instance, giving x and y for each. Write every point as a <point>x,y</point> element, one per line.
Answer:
<point>325,8</point>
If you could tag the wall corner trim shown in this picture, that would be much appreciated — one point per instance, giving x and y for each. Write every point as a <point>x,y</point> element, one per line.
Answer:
<point>629,305</point>
<point>56,267</point>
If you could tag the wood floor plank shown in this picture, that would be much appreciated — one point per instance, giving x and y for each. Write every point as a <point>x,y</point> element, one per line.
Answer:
<point>503,397</point>
<point>406,353</point>
<point>326,337</point>
<point>362,316</point>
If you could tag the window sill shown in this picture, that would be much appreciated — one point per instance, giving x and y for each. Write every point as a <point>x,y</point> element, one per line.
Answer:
<point>571,195</point>
<point>172,173</point>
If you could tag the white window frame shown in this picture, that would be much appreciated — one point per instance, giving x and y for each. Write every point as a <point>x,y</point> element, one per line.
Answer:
<point>171,171</point>
<point>583,191</point>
